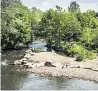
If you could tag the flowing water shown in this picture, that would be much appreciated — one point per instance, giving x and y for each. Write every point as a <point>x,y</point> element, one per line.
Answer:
<point>14,79</point>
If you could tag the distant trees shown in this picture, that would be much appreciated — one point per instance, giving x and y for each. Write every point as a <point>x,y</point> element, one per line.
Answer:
<point>59,25</point>
<point>36,17</point>
<point>74,7</point>
<point>64,31</point>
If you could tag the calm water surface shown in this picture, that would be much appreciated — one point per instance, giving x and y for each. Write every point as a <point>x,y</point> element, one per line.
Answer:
<point>14,79</point>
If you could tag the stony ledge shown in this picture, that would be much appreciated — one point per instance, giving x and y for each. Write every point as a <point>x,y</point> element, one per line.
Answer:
<point>55,65</point>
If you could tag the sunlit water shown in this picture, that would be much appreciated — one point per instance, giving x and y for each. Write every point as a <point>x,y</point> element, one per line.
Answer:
<point>14,79</point>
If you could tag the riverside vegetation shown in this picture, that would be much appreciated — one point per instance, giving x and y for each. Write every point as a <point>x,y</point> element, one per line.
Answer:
<point>74,32</point>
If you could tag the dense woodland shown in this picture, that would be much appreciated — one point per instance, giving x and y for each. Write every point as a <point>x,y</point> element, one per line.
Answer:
<point>72,32</point>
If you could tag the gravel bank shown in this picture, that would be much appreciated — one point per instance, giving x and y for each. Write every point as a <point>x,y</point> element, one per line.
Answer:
<point>55,65</point>
<point>84,74</point>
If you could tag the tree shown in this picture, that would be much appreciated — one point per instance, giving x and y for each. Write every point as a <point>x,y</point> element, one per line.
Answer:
<point>58,26</point>
<point>15,26</point>
<point>6,3</point>
<point>88,19</point>
<point>62,30</point>
<point>47,24</point>
<point>58,8</point>
<point>36,17</point>
<point>74,7</point>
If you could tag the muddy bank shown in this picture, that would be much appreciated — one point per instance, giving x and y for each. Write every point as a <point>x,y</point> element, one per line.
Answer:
<point>55,65</point>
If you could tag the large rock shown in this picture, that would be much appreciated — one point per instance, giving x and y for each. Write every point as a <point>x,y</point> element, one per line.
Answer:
<point>49,64</point>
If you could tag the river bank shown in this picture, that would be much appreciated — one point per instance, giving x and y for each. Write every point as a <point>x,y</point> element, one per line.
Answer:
<point>55,65</point>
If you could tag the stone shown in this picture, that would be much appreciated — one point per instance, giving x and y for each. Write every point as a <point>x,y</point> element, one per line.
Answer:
<point>28,51</point>
<point>17,62</point>
<point>95,69</point>
<point>27,56</point>
<point>42,64</point>
<point>28,65</point>
<point>24,59</point>
<point>48,64</point>
<point>31,53</point>
<point>57,64</point>
<point>23,62</point>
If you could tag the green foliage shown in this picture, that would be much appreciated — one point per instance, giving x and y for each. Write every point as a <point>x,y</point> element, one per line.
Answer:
<point>87,19</point>
<point>6,3</point>
<point>82,52</point>
<point>72,32</point>
<point>37,50</point>
<point>80,57</point>
<point>87,35</point>
<point>58,26</point>
<point>15,26</point>
<point>36,18</point>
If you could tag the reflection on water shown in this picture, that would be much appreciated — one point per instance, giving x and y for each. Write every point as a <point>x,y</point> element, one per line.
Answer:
<point>12,78</point>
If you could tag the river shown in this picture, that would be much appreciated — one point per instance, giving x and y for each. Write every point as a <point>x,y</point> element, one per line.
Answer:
<point>12,78</point>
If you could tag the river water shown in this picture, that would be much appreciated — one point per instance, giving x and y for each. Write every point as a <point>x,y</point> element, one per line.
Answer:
<point>14,79</point>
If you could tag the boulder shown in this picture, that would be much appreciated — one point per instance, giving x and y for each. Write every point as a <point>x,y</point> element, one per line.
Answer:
<point>49,64</point>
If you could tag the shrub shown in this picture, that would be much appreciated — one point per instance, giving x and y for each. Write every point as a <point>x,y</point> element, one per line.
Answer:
<point>81,57</point>
<point>82,52</point>
<point>37,50</point>
<point>90,55</point>
<point>97,50</point>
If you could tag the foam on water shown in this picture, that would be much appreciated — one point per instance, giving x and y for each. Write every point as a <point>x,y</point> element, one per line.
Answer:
<point>4,63</point>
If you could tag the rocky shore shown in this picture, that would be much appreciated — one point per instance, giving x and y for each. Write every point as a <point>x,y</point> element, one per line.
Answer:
<point>55,65</point>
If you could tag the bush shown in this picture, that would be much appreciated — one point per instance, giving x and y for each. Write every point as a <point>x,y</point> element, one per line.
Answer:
<point>37,50</point>
<point>97,50</point>
<point>82,52</point>
<point>81,57</point>
<point>90,55</point>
